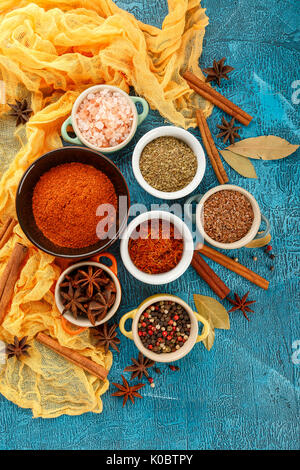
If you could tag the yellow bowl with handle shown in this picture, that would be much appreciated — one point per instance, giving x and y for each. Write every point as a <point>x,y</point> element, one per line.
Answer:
<point>194,336</point>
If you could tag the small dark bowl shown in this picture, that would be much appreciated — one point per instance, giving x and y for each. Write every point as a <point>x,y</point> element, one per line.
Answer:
<point>44,164</point>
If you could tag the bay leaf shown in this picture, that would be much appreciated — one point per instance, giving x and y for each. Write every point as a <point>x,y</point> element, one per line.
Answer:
<point>240,164</point>
<point>210,339</point>
<point>259,242</point>
<point>212,311</point>
<point>265,147</point>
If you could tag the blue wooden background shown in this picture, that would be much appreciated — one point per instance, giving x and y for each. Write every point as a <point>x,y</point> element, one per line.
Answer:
<point>244,393</point>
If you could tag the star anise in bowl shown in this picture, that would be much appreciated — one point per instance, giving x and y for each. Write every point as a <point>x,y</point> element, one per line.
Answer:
<point>87,292</point>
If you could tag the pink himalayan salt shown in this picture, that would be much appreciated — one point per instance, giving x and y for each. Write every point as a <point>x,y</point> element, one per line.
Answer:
<point>104,118</point>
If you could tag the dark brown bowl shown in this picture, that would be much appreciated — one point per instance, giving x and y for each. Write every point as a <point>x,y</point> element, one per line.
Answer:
<point>44,164</point>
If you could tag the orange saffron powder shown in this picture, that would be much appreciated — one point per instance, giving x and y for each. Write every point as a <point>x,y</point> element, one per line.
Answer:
<point>65,201</point>
<point>158,249</point>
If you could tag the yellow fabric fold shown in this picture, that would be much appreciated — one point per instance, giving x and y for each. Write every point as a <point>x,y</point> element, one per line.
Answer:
<point>50,51</point>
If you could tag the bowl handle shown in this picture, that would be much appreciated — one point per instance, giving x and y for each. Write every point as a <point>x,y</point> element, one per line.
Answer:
<point>189,208</point>
<point>265,232</point>
<point>65,135</point>
<point>114,265</point>
<point>206,327</point>
<point>144,113</point>
<point>123,320</point>
<point>65,324</point>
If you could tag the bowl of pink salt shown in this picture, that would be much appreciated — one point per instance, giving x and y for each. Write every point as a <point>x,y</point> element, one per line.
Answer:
<point>104,118</point>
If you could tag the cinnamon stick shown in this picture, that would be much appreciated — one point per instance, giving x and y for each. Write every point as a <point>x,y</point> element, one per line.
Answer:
<point>234,266</point>
<point>209,276</point>
<point>10,276</point>
<point>6,231</point>
<point>211,149</point>
<point>73,356</point>
<point>210,94</point>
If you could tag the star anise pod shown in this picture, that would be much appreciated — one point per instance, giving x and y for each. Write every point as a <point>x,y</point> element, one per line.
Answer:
<point>139,367</point>
<point>97,309</point>
<point>229,130</point>
<point>218,71</point>
<point>107,337</point>
<point>21,111</point>
<point>241,304</point>
<point>68,280</point>
<point>74,301</point>
<point>127,391</point>
<point>91,280</point>
<point>18,348</point>
<point>109,294</point>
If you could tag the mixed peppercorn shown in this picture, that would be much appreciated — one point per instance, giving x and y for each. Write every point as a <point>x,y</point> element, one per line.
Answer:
<point>164,327</point>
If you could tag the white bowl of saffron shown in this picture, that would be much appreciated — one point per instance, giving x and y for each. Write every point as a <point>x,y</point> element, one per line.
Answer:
<point>157,247</point>
<point>160,171</point>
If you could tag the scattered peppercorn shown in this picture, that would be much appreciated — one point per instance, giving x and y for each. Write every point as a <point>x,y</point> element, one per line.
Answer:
<point>157,370</point>
<point>272,256</point>
<point>173,368</point>
<point>150,380</point>
<point>271,268</point>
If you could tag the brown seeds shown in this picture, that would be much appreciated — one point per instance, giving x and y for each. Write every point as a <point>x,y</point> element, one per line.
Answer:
<point>228,216</point>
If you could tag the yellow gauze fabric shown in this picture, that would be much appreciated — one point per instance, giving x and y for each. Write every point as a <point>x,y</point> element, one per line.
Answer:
<point>50,51</point>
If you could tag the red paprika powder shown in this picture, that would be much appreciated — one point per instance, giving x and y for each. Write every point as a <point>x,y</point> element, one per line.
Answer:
<point>65,201</point>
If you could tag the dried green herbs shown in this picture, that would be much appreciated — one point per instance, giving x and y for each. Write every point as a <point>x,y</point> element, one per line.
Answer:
<point>168,164</point>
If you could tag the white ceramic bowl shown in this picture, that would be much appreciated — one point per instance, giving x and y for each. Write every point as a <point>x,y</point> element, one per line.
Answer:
<point>79,139</point>
<point>172,356</point>
<point>180,134</point>
<point>84,322</point>
<point>255,225</point>
<point>188,248</point>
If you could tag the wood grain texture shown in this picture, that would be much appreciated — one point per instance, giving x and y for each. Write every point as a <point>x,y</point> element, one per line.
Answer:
<point>244,393</point>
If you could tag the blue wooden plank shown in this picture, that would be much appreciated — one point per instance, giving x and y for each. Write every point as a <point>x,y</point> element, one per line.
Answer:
<point>244,393</point>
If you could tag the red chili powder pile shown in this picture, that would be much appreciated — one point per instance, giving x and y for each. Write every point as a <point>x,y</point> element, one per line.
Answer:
<point>158,248</point>
<point>65,201</point>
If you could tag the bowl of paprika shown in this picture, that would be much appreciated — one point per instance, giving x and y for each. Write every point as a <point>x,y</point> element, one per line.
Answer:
<point>73,202</point>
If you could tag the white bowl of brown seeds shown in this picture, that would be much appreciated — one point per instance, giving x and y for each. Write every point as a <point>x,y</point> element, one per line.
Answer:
<point>229,217</point>
<point>168,162</point>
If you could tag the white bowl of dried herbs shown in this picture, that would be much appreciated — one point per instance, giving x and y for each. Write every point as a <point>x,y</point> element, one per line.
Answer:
<point>168,162</point>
